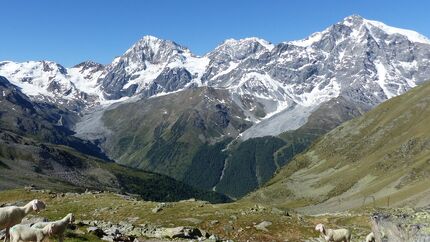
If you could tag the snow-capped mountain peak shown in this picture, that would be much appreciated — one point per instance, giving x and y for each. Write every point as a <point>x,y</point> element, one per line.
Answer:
<point>357,25</point>
<point>410,34</point>
<point>361,60</point>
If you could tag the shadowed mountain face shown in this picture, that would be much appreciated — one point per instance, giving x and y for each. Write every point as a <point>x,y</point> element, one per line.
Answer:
<point>40,121</point>
<point>382,156</point>
<point>171,134</point>
<point>37,147</point>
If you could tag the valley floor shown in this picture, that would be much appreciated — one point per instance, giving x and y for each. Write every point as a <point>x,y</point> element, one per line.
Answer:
<point>239,221</point>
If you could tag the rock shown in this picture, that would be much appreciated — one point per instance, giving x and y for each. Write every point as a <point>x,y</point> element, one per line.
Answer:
<point>228,228</point>
<point>159,207</point>
<point>214,222</point>
<point>137,232</point>
<point>109,238</point>
<point>263,226</point>
<point>213,238</point>
<point>277,211</point>
<point>205,234</point>
<point>111,231</point>
<point>96,231</point>
<point>30,188</point>
<point>178,232</point>
<point>133,219</point>
<point>156,210</point>
<point>402,225</point>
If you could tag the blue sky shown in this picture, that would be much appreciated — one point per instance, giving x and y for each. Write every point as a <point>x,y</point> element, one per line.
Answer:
<point>71,31</point>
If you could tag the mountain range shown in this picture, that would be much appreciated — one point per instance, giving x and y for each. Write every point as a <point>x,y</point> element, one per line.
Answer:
<point>250,104</point>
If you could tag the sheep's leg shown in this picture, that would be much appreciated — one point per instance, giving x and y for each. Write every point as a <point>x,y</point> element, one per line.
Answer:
<point>7,235</point>
<point>61,238</point>
<point>14,239</point>
<point>40,238</point>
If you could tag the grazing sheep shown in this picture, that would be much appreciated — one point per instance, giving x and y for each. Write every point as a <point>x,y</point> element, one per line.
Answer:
<point>12,215</point>
<point>335,235</point>
<point>22,232</point>
<point>60,225</point>
<point>370,237</point>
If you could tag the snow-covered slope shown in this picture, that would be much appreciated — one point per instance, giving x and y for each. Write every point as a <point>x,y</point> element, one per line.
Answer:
<point>48,81</point>
<point>152,66</point>
<point>363,61</point>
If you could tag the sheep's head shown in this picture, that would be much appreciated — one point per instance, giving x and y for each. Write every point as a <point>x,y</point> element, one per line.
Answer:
<point>320,228</point>
<point>37,205</point>
<point>71,217</point>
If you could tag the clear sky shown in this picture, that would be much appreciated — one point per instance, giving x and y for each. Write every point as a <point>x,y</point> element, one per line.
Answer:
<point>71,31</point>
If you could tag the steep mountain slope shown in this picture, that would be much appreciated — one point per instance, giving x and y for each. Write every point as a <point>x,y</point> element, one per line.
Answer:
<point>381,158</point>
<point>165,134</point>
<point>36,147</point>
<point>253,162</point>
<point>40,121</point>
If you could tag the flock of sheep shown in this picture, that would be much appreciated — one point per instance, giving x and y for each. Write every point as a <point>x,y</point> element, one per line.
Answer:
<point>340,235</point>
<point>11,217</point>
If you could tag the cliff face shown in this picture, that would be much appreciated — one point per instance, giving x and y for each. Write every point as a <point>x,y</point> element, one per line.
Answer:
<point>402,225</point>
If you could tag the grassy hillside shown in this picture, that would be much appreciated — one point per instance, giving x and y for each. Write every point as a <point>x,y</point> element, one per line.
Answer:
<point>382,158</point>
<point>234,221</point>
<point>24,162</point>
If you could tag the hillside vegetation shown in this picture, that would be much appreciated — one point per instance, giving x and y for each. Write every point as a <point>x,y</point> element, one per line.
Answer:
<point>381,158</point>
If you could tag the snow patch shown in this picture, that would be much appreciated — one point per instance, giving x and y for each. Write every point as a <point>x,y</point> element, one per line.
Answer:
<point>410,34</point>
<point>382,78</point>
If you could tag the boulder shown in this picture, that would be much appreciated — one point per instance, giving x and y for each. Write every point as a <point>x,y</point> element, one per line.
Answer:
<point>96,231</point>
<point>402,225</point>
<point>263,226</point>
<point>178,232</point>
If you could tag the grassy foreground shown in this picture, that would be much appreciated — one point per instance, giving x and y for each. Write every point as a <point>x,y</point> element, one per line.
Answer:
<point>234,221</point>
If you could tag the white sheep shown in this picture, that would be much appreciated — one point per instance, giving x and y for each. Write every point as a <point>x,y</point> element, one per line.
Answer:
<point>21,232</point>
<point>370,237</point>
<point>335,235</point>
<point>12,215</point>
<point>60,225</point>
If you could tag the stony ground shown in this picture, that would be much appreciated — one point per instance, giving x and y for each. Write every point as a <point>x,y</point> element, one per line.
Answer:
<point>112,216</point>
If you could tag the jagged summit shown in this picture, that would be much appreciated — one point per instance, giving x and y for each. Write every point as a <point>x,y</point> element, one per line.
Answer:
<point>154,44</point>
<point>249,40</point>
<point>88,64</point>
<point>361,60</point>
<point>357,26</point>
